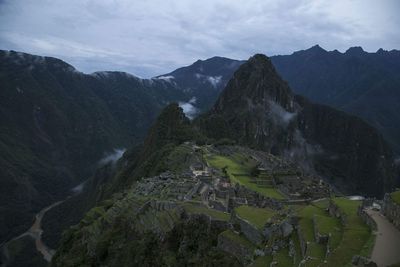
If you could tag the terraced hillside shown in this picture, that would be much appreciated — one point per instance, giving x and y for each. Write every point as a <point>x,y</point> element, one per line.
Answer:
<point>212,212</point>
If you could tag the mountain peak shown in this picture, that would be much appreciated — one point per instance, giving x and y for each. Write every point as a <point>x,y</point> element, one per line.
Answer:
<point>260,59</point>
<point>355,51</point>
<point>255,81</point>
<point>171,126</point>
<point>316,49</point>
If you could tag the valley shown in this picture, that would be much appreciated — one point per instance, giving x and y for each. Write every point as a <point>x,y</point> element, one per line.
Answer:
<point>261,177</point>
<point>11,250</point>
<point>199,133</point>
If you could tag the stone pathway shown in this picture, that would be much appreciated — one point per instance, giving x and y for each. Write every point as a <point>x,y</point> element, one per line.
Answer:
<point>387,245</point>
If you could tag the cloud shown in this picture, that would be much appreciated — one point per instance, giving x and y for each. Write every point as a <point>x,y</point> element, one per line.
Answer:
<point>148,38</point>
<point>189,109</point>
<point>112,157</point>
<point>280,115</point>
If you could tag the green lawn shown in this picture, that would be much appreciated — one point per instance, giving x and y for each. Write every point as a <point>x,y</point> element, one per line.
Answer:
<point>256,216</point>
<point>317,253</point>
<point>238,169</point>
<point>306,220</point>
<point>262,261</point>
<point>330,225</point>
<point>356,234</point>
<point>283,258</point>
<point>200,209</point>
<point>396,197</point>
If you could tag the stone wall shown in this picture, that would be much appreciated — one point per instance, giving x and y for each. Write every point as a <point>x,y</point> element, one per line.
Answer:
<point>250,231</point>
<point>391,210</point>
<point>256,199</point>
<point>218,205</point>
<point>336,212</point>
<point>319,238</point>
<point>366,218</point>
<point>213,224</point>
<point>303,243</point>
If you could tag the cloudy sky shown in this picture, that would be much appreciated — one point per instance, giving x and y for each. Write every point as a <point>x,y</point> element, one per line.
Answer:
<point>152,37</point>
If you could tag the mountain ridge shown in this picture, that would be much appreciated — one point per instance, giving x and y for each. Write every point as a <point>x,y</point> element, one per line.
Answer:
<point>260,110</point>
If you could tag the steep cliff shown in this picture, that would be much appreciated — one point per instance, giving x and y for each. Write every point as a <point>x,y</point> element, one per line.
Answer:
<point>258,109</point>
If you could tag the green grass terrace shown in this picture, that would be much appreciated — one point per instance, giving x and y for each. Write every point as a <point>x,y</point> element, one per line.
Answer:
<point>238,168</point>
<point>256,216</point>
<point>237,238</point>
<point>356,235</point>
<point>197,208</point>
<point>396,197</point>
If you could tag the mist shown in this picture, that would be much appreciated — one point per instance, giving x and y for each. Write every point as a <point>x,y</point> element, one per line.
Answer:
<point>280,115</point>
<point>189,109</point>
<point>112,157</point>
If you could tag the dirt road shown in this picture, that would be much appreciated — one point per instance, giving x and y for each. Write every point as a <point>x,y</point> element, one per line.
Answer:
<point>387,245</point>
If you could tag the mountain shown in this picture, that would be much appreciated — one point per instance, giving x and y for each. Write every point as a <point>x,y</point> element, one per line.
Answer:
<point>204,79</point>
<point>258,109</point>
<point>57,123</point>
<point>358,82</point>
<point>187,196</point>
<point>361,83</point>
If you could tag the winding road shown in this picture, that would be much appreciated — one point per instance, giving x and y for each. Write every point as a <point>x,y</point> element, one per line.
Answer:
<point>35,232</point>
<point>386,250</point>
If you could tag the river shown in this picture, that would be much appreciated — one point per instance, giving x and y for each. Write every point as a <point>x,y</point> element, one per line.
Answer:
<point>36,231</point>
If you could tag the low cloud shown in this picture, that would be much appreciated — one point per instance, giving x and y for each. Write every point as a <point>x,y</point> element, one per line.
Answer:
<point>280,115</point>
<point>189,109</point>
<point>112,157</point>
<point>78,189</point>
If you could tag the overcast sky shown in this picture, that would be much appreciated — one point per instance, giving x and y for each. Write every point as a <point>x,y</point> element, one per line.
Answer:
<point>148,38</point>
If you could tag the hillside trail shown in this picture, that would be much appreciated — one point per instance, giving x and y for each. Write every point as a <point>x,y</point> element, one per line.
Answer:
<point>386,250</point>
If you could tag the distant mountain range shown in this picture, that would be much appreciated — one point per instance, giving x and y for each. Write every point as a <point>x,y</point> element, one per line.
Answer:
<point>361,83</point>
<point>358,82</point>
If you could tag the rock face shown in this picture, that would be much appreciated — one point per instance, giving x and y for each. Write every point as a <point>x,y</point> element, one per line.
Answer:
<point>258,109</point>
